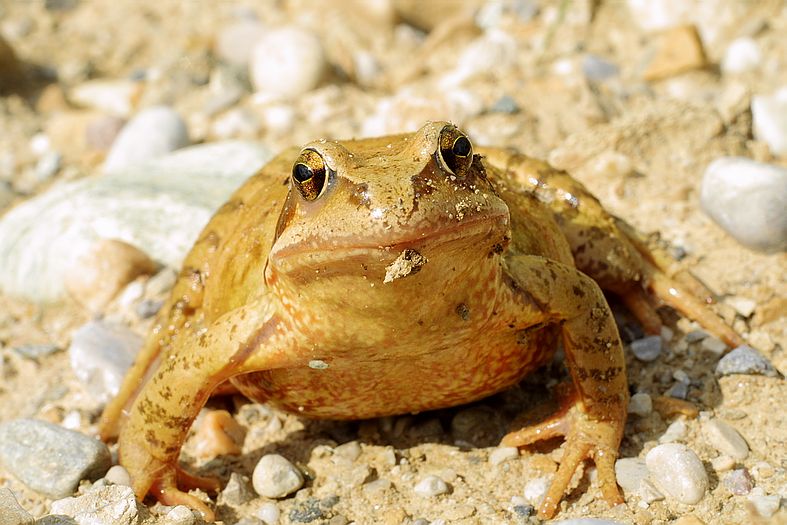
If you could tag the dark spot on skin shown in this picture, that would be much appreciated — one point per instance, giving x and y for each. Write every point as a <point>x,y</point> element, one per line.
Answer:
<point>578,291</point>
<point>462,311</point>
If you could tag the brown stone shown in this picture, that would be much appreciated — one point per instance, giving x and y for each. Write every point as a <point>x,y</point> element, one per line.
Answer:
<point>679,50</point>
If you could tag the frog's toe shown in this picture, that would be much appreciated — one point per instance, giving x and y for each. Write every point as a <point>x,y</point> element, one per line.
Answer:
<point>638,301</point>
<point>169,494</point>
<point>586,438</point>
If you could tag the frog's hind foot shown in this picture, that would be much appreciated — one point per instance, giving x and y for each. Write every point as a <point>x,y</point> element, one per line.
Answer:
<point>640,305</point>
<point>169,490</point>
<point>585,438</point>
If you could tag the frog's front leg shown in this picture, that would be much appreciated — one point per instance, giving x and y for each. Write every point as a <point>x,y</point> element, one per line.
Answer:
<point>250,338</point>
<point>594,408</point>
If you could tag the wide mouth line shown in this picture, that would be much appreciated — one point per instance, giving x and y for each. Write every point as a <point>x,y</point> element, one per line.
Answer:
<point>440,236</point>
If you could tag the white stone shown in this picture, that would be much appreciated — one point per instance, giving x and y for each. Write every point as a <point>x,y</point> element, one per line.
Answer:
<point>269,513</point>
<point>725,439</point>
<point>350,450</point>
<point>742,305</point>
<point>430,486</point>
<point>275,477</point>
<point>742,55</point>
<point>115,97</point>
<point>647,349</point>
<point>769,119</point>
<point>492,51</point>
<point>722,463</point>
<point>503,454</point>
<point>640,404</point>
<point>180,515</point>
<point>714,345</point>
<point>675,432</point>
<point>766,505</point>
<point>747,199</point>
<point>110,505</point>
<point>159,207</point>
<point>150,134</point>
<point>287,62</point>
<point>118,475</point>
<point>535,489</point>
<point>648,492</point>
<point>630,472</point>
<point>677,472</point>
<point>100,354</point>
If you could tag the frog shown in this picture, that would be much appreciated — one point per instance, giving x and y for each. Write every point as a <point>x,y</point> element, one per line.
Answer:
<point>395,275</point>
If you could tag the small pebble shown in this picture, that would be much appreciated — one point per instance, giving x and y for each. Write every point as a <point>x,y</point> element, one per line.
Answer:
<point>745,360</point>
<point>100,133</point>
<point>598,69</point>
<point>150,134</point>
<point>695,335</point>
<point>109,505</point>
<point>677,472</point>
<point>587,521</point>
<point>180,515</point>
<point>762,470</point>
<point>287,62</point>
<point>747,199</point>
<point>630,472</point>
<point>725,439</point>
<point>114,97</point>
<point>535,489</point>
<point>11,513</point>
<point>235,42</point>
<point>377,486</point>
<point>766,505</point>
<point>103,270</point>
<point>648,492</point>
<point>269,513</point>
<point>769,120</point>
<point>714,345</point>
<point>679,390</point>
<point>679,50</point>
<point>275,477</point>
<point>647,349</point>
<point>676,431</point>
<point>722,463</point>
<point>743,305</point>
<point>47,166</point>
<point>739,482</point>
<point>237,491</point>
<point>34,351</point>
<point>640,404</point>
<point>118,475</point>
<point>688,520</point>
<point>503,454</point>
<point>350,450</point>
<point>430,486</point>
<point>505,104</point>
<point>742,55</point>
<point>100,354</point>
<point>50,459</point>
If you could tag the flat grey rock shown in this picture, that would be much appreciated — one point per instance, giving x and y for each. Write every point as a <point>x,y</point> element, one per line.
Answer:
<point>50,459</point>
<point>159,207</point>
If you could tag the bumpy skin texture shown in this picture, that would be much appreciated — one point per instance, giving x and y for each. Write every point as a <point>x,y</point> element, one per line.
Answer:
<point>293,300</point>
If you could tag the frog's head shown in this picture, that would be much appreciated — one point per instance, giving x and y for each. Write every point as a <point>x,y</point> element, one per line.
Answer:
<point>389,211</point>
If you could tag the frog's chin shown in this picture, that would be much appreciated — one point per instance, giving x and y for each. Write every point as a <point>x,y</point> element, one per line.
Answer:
<point>480,236</point>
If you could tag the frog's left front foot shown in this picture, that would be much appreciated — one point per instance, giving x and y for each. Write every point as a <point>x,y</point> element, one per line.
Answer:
<point>167,490</point>
<point>586,438</point>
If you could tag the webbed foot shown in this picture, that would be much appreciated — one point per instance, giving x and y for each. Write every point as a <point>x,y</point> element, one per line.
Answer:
<point>586,438</point>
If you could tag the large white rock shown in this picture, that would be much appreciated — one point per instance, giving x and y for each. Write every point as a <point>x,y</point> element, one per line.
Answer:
<point>748,199</point>
<point>159,207</point>
<point>677,472</point>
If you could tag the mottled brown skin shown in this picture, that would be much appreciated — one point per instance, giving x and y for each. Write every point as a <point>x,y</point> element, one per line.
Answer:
<point>285,297</point>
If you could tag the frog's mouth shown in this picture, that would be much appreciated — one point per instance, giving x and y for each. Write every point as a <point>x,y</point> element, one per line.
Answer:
<point>484,235</point>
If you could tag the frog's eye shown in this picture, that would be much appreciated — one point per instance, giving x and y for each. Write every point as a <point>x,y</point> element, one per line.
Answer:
<point>456,152</point>
<point>310,174</point>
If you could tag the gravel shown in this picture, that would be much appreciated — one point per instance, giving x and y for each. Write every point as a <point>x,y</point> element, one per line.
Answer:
<point>769,119</point>
<point>725,439</point>
<point>109,505</point>
<point>747,199</point>
<point>51,459</point>
<point>739,482</point>
<point>275,477</point>
<point>430,486</point>
<point>742,55</point>
<point>676,431</point>
<point>647,349</point>
<point>745,360</point>
<point>11,513</point>
<point>237,491</point>
<point>677,472</point>
<point>100,354</point>
<point>630,472</point>
<point>503,454</point>
<point>287,62</point>
<point>640,404</point>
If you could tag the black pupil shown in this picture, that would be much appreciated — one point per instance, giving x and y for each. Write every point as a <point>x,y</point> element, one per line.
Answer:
<point>302,173</point>
<point>461,147</point>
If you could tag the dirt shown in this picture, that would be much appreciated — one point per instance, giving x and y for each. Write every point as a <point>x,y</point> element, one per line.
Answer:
<point>640,146</point>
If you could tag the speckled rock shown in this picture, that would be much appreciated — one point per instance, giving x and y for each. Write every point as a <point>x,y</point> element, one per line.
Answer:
<point>110,505</point>
<point>150,134</point>
<point>287,62</point>
<point>11,513</point>
<point>747,199</point>
<point>677,472</point>
<point>159,207</point>
<point>745,360</point>
<point>769,118</point>
<point>100,354</point>
<point>275,477</point>
<point>724,438</point>
<point>51,459</point>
